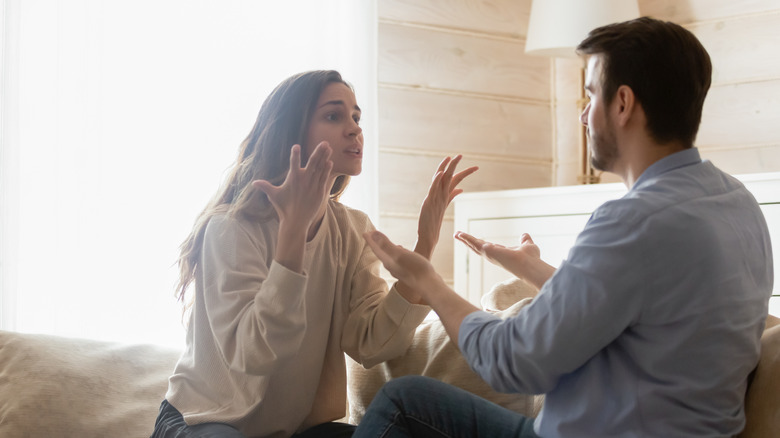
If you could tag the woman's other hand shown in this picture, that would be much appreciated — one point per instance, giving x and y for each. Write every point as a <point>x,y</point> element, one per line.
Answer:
<point>409,267</point>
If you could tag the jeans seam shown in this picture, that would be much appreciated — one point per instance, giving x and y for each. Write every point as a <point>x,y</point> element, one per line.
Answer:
<point>429,425</point>
<point>383,433</point>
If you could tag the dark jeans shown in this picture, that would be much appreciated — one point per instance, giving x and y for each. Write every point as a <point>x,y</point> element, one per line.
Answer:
<point>170,424</point>
<point>415,406</point>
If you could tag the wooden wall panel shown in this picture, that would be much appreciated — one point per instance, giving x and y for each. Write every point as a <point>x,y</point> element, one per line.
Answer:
<point>744,160</point>
<point>501,17</point>
<point>450,124</point>
<point>687,11</point>
<point>404,179</point>
<point>566,120</point>
<point>742,49</point>
<point>740,115</point>
<point>441,60</point>
<point>453,78</point>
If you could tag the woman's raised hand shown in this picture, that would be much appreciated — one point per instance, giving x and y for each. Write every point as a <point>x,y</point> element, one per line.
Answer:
<point>443,189</point>
<point>304,190</point>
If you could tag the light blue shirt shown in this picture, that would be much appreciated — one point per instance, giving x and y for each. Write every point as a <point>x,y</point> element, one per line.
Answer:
<point>652,324</point>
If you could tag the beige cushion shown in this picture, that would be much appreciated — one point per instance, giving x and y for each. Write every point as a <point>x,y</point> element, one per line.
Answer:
<point>62,387</point>
<point>505,294</point>
<point>433,354</point>
<point>762,403</point>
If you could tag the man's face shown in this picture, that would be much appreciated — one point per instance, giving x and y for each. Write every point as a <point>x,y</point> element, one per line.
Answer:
<point>596,118</point>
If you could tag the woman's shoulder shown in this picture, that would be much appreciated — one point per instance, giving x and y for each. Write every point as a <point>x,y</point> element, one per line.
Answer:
<point>224,223</point>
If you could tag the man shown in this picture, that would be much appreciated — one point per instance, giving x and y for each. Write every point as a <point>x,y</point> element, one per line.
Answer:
<point>652,324</point>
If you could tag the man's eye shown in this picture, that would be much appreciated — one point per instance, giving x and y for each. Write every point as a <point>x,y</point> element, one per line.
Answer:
<point>356,119</point>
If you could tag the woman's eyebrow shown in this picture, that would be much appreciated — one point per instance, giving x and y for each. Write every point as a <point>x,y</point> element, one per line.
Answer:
<point>339,102</point>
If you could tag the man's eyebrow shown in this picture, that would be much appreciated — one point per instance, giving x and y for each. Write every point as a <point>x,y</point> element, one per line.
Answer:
<point>339,102</point>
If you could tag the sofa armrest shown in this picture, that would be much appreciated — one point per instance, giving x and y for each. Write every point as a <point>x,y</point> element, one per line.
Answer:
<point>65,387</point>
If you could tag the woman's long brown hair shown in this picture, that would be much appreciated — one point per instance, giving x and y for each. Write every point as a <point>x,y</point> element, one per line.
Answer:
<point>264,154</point>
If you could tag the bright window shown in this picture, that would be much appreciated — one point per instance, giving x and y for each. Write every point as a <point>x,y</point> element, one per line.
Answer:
<point>119,119</point>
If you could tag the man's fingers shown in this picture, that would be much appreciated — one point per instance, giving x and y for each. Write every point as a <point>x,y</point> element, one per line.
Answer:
<point>470,241</point>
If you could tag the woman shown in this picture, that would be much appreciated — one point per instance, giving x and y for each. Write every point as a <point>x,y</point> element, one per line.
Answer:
<point>284,282</point>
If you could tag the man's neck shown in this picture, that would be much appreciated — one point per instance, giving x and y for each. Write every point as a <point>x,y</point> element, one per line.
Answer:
<point>638,157</point>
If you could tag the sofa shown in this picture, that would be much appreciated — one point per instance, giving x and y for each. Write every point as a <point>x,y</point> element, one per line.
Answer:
<point>61,387</point>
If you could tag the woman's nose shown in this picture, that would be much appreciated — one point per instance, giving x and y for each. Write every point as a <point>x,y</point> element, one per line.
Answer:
<point>355,129</point>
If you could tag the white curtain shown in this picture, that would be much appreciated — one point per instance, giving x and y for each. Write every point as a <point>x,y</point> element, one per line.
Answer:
<point>119,119</point>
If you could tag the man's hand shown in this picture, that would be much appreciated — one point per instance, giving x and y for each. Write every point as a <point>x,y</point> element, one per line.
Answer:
<point>524,260</point>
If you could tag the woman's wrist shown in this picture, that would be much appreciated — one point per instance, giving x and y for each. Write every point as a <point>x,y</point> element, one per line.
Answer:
<point>424,248</point>
<point>290,246</point>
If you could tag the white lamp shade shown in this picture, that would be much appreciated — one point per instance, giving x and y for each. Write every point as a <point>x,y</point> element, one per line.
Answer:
<point>556,27</point>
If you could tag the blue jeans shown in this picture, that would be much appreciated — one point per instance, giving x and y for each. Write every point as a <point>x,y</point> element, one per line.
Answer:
<point>416,406</point>
<point>170,424</point>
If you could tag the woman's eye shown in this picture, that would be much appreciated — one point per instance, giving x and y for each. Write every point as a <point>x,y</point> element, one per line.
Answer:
<point>331,116</point>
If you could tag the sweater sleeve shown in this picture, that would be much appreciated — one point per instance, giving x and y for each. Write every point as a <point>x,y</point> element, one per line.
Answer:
<point>381,323</point>
<point>254,306</point>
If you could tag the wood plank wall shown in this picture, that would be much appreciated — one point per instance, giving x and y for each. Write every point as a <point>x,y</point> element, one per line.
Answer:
<point>453,78</point>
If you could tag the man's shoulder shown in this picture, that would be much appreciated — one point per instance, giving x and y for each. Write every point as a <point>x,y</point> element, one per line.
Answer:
<point>676,191</point>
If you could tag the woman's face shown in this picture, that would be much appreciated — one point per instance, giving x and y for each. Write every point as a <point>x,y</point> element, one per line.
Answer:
<point>336,120</point>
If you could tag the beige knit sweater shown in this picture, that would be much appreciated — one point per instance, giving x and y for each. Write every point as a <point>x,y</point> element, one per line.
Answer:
<point>265,345</point>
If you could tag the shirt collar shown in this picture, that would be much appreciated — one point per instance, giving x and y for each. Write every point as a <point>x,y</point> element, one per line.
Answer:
<point>685,157</point>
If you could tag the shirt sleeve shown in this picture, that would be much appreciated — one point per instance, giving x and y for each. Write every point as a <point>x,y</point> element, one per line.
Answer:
<point>381,323</point>
<point>584,306</point>
<point>255,309</point>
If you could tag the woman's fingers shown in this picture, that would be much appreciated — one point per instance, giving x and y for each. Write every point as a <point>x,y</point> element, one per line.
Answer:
<point>319,156</point>
<point>263,185</point>
<point>383,248</point>
<point>452,165</point>
<point>408,266</point>
<point>460,176</point>
<point>295,157</point>
<point>442,166</point>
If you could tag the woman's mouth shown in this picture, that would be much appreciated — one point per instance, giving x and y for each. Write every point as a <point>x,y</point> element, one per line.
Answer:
<point>354,151</point>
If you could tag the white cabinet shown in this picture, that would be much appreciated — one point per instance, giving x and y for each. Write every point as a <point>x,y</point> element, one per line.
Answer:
<point>554,216</point>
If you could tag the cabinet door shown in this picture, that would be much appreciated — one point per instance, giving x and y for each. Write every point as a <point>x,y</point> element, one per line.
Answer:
<point>772,215</point>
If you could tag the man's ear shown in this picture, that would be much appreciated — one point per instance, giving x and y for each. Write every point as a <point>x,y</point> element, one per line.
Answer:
<point>624,104</point>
